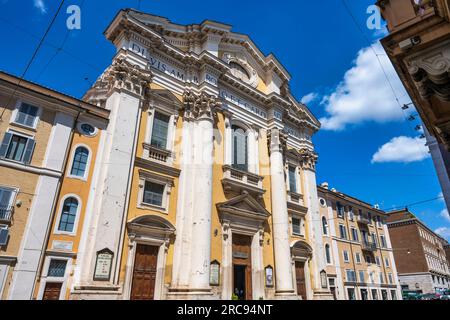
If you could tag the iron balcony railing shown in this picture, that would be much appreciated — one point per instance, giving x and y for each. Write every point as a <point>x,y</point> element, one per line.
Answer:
<point>6,213</point>
<point>368,246</point>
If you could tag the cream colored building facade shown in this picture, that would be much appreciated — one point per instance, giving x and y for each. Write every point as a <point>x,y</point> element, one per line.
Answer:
<point>37,127</point>
<point>203,184</point>
<point>358,251</point>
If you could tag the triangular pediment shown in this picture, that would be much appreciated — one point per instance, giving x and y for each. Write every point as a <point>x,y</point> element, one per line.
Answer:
<point>244,205</point>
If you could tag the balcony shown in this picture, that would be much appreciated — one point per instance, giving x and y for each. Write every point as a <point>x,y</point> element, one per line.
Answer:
<point>363,219</point>
<point>154,153</point>
<point>6,214</point>
<point>235,180</point>
<point>369,246</point>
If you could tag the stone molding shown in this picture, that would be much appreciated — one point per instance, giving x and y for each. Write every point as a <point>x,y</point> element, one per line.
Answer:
<point>200,106</point>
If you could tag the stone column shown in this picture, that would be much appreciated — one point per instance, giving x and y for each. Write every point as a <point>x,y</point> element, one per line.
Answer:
<point>283,272</point>
<point>308,160</point>
<point>193,243</point>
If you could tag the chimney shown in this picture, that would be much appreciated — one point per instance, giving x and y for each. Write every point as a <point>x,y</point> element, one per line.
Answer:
<point>325,185</point>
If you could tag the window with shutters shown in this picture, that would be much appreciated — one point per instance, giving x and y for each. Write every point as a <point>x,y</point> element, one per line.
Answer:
<point>80,162</point>
<point>27,115</point>
<point>160,130</point>
<point>17,147</point>
<point>68,215</point>
<point>240,149</point>
<point>7,196</point>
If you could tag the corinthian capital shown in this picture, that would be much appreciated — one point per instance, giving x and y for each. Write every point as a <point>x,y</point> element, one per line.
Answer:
<point>123,75</point>
<point>200,106</point>
<point>308,159</point>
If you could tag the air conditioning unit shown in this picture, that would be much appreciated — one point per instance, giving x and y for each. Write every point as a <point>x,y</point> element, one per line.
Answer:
<point>4,235</point>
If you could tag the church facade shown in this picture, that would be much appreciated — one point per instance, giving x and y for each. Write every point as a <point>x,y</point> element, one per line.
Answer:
<point>202,186</point>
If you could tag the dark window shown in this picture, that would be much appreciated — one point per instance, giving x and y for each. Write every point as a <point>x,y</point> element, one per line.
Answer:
<point>240,149</point>
<point>328,253</point>
<point>80,161</point>
<point>68,215</point>
<point>296,226</point>
<point>324,226</point>
<point>27,115</point>
<point>292,179</point>
<point>57,268</point>
<point>153,193</point>
<point>17,148</point>
<point>160,130</point>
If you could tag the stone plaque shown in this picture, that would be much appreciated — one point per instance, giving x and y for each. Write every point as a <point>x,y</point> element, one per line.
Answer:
<point>62,245</point>
<point>103,265</point>
<point>214,274</point>
<point>269,276</point>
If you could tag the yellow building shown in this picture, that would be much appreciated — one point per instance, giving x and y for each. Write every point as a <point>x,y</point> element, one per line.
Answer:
<point>358,250</point>
<point>203,184</point>
<point>37,126</point>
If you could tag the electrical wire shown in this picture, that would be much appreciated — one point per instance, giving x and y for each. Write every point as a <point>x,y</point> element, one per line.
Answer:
<point>36,51</point>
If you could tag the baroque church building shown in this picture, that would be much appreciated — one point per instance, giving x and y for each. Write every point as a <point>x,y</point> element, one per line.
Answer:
<point>203,184</point>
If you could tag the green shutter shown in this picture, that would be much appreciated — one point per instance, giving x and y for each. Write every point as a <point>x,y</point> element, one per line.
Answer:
<point>5,144</point>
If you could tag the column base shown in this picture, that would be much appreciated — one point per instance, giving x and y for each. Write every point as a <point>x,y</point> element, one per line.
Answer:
<point>322,295</point>
<point>286,295</point>
<point>191,294</point>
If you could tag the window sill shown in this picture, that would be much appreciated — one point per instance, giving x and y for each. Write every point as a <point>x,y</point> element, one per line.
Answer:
<point>65,233</point>
<point>84,179</point>
<point>148,206</point>
<point>23,126</point>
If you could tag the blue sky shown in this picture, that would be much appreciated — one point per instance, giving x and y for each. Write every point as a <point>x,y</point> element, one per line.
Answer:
<point>330,60</point>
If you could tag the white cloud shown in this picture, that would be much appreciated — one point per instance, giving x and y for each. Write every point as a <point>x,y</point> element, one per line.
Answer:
<point>402,149</point>
<point>443,232</point>
<point>309,98</point>
<point>40,5</point>
<point>364,94</point>
<point>444,214</point>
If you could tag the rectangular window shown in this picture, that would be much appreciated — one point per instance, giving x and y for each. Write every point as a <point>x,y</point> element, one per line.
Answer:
<point>342,231</point>
<point>351,294</point>
<point>57,268</point>
<point>384,294</point>
<point>351,215</point>
<point>346,258</point>
<point>292,179</point>
<point>374,294</point>
<point>160,130</point>
<point>381,278</point>
<point>386,262</point>
<point>351,275</point>
<point>368,260</point>
<point>377,259</point>
<point>362,277</point>
<point>17,148</point>
<point>340,210</point>
<point>153,193</point>
<point>358,257</point>
<point>374,239</point>
<point>296,226</point>
<point>391,279</point>
<point>6,198</point>
<point>383,241</point>
<point>27,115</point>
<point>393,295</point>
<point>355,234</point>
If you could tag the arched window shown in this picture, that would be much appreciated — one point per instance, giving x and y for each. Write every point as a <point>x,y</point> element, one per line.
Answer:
<point>324,226</point>
<point>80,160</point>
<point>239,71</point>
<point>328,253</point>
<point>68,215</point>
<point>240,149</point>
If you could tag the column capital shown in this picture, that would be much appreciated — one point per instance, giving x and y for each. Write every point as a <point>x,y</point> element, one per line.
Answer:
<point>122,75</point>
<point>200,106</point>
<point>308,159</point>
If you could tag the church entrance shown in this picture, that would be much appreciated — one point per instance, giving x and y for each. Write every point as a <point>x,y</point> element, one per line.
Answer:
<point>242,267</point>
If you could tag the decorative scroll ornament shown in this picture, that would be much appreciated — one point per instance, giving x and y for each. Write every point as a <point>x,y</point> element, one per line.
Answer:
<point>308,159</point>
<point>432,77</point>
<point>120,75</point>
<point>198,106</point>
<point>241,60</point>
